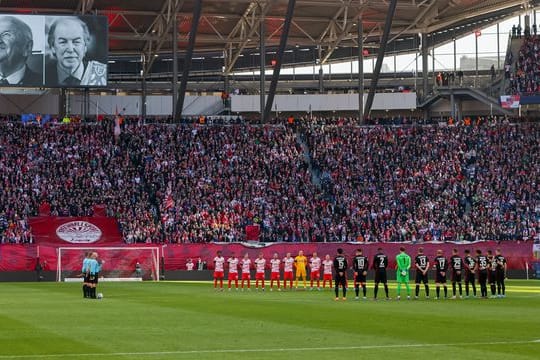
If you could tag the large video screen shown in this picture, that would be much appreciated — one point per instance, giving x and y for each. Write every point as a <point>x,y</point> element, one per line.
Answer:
<point>53,51</point>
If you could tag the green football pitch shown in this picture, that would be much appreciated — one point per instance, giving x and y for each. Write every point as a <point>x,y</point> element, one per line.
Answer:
<point>178,320</point>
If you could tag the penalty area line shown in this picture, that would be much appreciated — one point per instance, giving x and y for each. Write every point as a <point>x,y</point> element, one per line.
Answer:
<point>268,350</point>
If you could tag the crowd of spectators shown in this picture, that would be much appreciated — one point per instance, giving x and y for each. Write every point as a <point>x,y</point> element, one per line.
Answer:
<point>431,183</point>
<point>525,79</point>
<point>192,183</point>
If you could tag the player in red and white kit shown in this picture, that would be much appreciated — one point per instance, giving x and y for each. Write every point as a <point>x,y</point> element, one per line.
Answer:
<point>288,263</point>
<point>233,271</point>
<point>328,264</point>
<point>260,265</point>
<point>246,267</point>
<point>315,270</point>
<point>275,263</point>
<point>219,261</point>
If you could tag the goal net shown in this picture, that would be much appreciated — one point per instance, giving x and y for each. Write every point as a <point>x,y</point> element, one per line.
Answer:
<point>119,263</point>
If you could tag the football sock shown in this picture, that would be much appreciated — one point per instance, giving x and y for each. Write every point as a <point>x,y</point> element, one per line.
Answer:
<point>427,289</point>
<point>417,290</point>
<point>364,290</point>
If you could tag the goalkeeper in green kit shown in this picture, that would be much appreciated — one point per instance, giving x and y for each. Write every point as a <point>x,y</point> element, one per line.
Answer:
<point>403,264</point>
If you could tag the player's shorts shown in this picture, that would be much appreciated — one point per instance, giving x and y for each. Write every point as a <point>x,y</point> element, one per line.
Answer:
<point>402,278</point>
<point>439,278</point>
<point>315,274</point>
<point>274,276</point>
<point>287,275</point>
<point>421,278</point>
<point>233,276</point>
<point>492,277</point>
<point>218,274</point>
<point>86,278</point>
<point>93,278</point>
<point>246,276</point>
<point>469,277</point>
<point>259,276</point>
<point>500,276</point>
<point>360,278</point>
<point>327,277</point>
<point>300,272</point>
<point>380,276</point>
<point>456,276</point>
<point>482,276</point>
<point>340,279</point>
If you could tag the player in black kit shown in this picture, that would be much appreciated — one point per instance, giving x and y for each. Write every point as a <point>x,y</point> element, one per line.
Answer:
<point>470,270</point>
<point>482,269</point>
<point>340,269</point>
<point>380,263</point>
<point>360,267</point>
<point>492,273</point>
<point>421,263</point>
<point>441,266</point>
<point>500,273</point>
<point>457,267</point>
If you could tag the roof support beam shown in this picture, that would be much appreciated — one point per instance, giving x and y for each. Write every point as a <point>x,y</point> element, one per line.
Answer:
<point>160,28</point>
<point>245,28</point>
<point>197,8</point>
<point>380,56</point>
<point>277,67</point>
<point>85,6</point>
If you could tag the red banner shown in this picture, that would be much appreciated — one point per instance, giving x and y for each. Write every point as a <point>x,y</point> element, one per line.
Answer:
<point>76,230</point>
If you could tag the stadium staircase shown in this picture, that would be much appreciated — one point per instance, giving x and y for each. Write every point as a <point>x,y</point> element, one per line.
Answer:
<point>464,93</point>
<point>487,93</point>
<point>512,53</point>
<point>308,159</point>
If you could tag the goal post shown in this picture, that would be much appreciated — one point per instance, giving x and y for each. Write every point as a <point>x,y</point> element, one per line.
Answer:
<point>120,263</point>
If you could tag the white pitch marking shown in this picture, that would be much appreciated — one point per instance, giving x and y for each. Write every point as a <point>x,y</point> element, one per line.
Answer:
<point>241,351</point>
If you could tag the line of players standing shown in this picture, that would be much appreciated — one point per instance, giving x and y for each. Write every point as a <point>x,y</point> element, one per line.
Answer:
<point>290,264</point>
<point>490,268</point>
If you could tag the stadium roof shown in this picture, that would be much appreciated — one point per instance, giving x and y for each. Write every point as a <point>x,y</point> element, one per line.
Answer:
<point>138,26</point>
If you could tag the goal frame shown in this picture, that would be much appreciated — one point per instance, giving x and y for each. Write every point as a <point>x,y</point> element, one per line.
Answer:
<point>156,251</point>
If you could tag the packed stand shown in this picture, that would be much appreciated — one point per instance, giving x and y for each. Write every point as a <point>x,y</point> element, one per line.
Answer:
<point>215,181</point>
<point>430,183</point>
<point>193,183</point>
<point>68,170</point>
<point>526,77</point>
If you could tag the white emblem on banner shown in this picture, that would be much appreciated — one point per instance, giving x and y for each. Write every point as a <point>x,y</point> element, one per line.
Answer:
<point>79,232</point>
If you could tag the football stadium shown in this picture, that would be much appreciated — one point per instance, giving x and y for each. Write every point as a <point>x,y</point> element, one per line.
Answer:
<point>269,179</point>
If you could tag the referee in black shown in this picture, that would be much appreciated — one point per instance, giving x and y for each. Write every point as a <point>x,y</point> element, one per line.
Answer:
<point>340,268</point>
